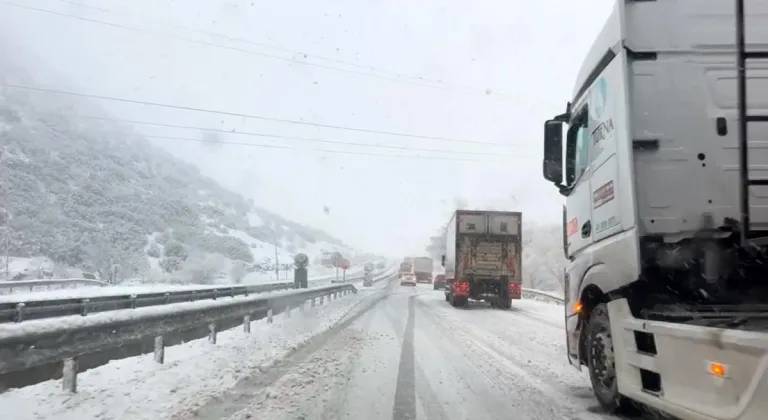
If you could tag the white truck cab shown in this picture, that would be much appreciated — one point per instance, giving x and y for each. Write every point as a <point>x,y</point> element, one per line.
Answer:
<point>666,220</point>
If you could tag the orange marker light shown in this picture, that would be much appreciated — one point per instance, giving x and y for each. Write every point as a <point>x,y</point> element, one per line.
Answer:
<point>717,369</point>
<point>577,306</point>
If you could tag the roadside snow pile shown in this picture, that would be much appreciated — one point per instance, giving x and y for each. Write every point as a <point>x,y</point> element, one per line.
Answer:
<point>138,388</point>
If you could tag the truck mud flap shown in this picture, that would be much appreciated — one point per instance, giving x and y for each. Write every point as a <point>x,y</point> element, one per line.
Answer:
<point>691,372</point>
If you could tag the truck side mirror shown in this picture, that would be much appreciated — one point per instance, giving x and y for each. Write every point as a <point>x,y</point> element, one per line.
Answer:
<point>442,261</point>
<point>553,151</point>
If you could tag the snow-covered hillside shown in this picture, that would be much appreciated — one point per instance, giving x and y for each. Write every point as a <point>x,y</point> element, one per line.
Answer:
<point>97,197</point>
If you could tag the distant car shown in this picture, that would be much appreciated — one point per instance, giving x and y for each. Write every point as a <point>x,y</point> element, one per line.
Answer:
<point>439,282</point>
<point>408,278</point>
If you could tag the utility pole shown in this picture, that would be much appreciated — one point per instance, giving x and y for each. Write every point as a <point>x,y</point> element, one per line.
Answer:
<point>6,216</point>
<point>277,257</point>
<point>7,254</point>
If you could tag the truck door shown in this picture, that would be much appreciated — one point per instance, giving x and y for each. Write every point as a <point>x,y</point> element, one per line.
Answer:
<point>602,128</point>
<point>579,227</point>
<point>470,226</point>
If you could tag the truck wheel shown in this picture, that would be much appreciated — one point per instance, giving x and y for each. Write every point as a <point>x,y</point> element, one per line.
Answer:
<point>458,301</point>
<point>601,363</point>
<point>504,303</point>
<point>447,297</point>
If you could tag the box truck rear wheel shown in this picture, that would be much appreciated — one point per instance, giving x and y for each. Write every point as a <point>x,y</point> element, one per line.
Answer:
<point>457,301</point>
<point>502,303</point>
<point>601,363</point>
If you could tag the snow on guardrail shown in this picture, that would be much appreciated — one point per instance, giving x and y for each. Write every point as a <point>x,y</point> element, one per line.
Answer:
<point>10,286</point>
<point>541,295</point>
<point>33,352</point>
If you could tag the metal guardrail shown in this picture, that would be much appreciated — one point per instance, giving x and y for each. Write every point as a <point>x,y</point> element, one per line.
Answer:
<point>33,354</point>
<point>541,295</point>
<point>61,283</point>
<point>18,311</point>
<point>22,309</point>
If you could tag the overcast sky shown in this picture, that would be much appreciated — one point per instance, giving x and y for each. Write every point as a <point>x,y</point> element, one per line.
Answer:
<point>479,78</point>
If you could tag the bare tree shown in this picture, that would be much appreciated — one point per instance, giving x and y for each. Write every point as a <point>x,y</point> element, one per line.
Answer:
<point>104,259</point>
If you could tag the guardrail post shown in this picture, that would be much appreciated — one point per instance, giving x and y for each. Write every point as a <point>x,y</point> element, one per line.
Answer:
<point>167,297</point>
<point>313,302</point>
<point>84,307</point>
<point>69,375</point>
<point>215,293</point>
<point>322,299</point>
<point>20,312</point>
<point>287,311</point>
<point>269,316</point>
<point>301,307</point>
<point>212,333</point>
<point>133,301</point>
<point>247,324</point>
<point>159,350</point>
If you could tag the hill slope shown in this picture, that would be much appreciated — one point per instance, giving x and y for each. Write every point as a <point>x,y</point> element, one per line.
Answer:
<point>97,196</point>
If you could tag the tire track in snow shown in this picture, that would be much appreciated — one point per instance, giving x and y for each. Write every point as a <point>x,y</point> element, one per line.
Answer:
<point>430,401</point>
<point>405,394</point>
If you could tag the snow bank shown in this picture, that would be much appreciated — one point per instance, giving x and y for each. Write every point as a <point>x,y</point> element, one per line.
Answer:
<point>138,388</point>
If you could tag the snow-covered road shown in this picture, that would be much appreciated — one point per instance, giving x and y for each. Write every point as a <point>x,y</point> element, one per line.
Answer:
<point>389,352</point>
<point>407,354</point>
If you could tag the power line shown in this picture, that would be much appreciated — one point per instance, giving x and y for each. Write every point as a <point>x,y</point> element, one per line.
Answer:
<point>242,50</point>
<point>308,139</point>
<point>278,48</point>
<point>345,152</point>
<point>439,83</point>
<point>241,115</point>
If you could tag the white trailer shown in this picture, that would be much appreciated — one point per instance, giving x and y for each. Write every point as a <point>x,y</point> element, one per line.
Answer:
<point>666,223</point>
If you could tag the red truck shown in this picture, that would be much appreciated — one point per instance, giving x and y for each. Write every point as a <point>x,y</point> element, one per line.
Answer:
<point>483,257</point>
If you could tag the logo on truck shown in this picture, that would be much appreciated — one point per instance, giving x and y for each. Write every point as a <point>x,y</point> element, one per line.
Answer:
<point>598,108</point>
<point>599,96</point>
<point>603,195</point>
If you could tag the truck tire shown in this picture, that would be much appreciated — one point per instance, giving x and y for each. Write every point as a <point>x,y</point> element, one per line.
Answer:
<point>601,364</point>
<point>502,303</point>
<point>458,301</point>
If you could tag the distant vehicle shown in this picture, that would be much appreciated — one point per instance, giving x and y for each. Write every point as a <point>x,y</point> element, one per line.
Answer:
<point>405,268</point>
<point>331,259</point>
<point>482,257</point>
<point>422,268</point>
<point>439,282</point>
<point>408,279</point>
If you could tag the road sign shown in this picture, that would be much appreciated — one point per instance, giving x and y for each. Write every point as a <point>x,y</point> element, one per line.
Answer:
<point>301,260</point>
<point>344,264</point>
